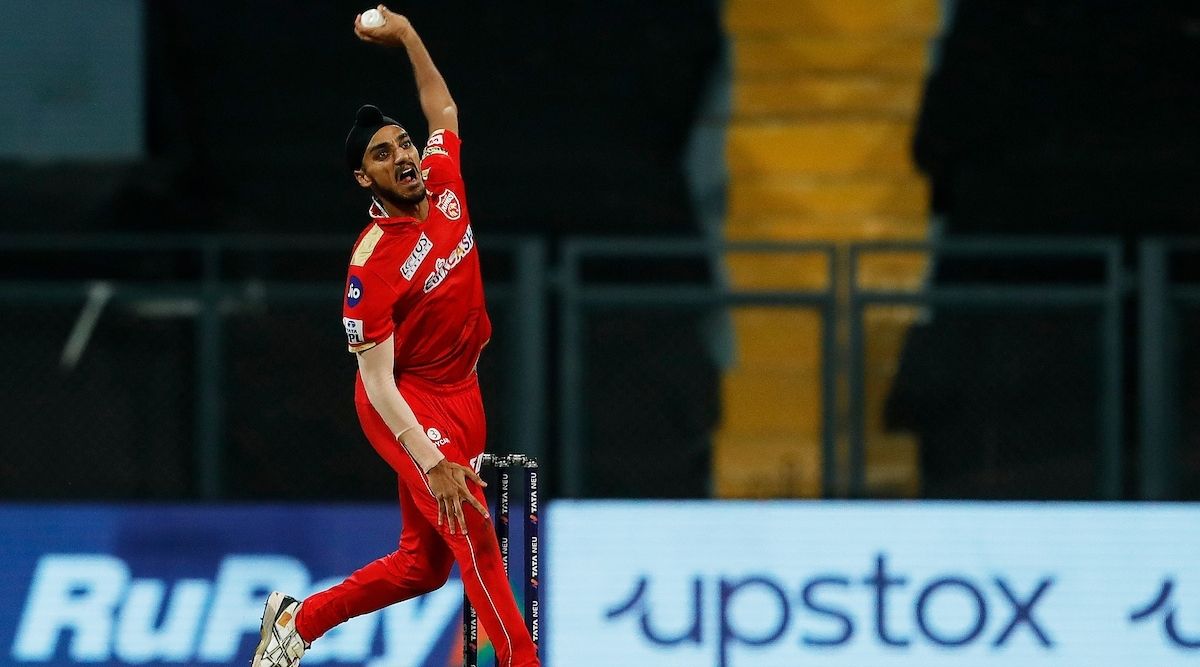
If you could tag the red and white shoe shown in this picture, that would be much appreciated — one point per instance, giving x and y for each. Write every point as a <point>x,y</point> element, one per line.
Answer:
<point>281,645</point>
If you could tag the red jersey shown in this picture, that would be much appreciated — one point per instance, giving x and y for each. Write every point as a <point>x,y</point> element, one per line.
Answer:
<point>420,281</point>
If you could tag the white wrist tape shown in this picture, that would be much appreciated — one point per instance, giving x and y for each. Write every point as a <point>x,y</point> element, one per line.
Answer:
<point>431,457</point>
<point>440,459</point>
<point>406,430</point>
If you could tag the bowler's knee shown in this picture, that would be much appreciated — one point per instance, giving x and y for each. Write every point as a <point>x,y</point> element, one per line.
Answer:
<point>434,575</point>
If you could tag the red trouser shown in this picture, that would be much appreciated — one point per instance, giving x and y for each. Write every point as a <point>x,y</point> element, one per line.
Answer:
<point>422,563</point>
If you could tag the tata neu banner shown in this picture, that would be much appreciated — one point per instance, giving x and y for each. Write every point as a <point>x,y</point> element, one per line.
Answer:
<point>788,584</point>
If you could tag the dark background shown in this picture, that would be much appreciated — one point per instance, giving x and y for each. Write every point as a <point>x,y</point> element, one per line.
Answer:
<point>1056,119</point>
<point>573,116</point>
<point>1051,118</point>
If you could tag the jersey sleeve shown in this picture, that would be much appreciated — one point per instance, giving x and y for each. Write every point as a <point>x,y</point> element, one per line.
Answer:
<point>440,158</point>
<point>367,309</point>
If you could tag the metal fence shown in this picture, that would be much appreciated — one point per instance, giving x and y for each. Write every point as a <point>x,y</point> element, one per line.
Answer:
<point>575,347</point>
<point>1169,303</point>
<point>581,297</point>
<point>983,293</point>
<point>211,307</point>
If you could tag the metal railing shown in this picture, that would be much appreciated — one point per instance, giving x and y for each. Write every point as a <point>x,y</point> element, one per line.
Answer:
<point>211,295</point>
<point>535,285</point>
<point>1106,294</point>
<point>1161,297</point>
<point>577,296</point>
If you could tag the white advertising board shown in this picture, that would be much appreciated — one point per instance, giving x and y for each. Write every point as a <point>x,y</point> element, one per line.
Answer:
<point>787,584</point>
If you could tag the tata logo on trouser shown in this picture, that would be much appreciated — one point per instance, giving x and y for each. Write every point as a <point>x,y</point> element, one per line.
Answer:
<point>90,608</point>
<point>823,597</point>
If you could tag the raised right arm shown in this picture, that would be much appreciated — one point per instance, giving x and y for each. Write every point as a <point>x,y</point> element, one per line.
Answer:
<point>436,102</point>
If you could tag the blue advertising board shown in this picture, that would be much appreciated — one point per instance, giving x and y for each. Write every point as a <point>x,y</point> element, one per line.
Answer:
<point>788,584</point>
<point>130,585</point>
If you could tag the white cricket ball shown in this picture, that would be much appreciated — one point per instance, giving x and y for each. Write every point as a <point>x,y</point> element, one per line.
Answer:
<point>372,18</point>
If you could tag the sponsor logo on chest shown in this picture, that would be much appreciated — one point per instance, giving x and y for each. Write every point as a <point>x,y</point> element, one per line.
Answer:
<point>410,266</point>
<point>444,264</point>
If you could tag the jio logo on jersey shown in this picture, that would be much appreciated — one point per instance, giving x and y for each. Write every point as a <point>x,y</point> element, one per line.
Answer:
<point>354,291</point>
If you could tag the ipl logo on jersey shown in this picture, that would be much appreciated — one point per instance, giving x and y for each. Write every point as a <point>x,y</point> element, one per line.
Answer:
<point>354,331</point>
<point>444,265</point>
<point>448,204</point>
<point>409,269</point>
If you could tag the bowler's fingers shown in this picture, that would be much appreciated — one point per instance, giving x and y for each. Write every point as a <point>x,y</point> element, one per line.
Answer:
<point>470,497</point>
<point>387,13</point>
<point>474,476</point>
<point>456,507</point>
<point>362,31</point>
<point>444,514</point>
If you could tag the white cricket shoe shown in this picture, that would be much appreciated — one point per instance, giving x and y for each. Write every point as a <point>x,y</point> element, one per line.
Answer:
<point>281,645</point>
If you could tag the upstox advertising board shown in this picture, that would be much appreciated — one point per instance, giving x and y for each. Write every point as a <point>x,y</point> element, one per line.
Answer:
<point>788,584</point>
<point>130,585</point>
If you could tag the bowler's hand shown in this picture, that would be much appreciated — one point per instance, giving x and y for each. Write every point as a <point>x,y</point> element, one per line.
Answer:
<point>393,32</point>
<point>448,481</point>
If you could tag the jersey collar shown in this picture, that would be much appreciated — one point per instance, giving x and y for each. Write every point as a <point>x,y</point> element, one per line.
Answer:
<point>380,216</point>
